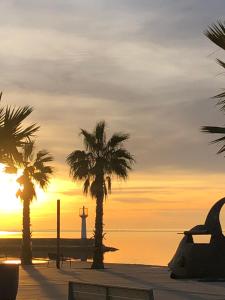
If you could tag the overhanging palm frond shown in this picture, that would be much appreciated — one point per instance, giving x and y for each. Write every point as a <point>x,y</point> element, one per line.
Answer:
<point>12,133</point>
<point>13,119</point>
<point>220,100</point>
<point>216,130</point>
<point>216,33</point>
<point>220,95</point>
<point>213,129</point>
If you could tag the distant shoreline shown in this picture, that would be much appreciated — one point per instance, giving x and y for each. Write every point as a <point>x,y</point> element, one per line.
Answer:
<point>52,231</point>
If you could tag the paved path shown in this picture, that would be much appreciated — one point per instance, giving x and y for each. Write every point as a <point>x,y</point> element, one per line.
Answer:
<point>44,283</point>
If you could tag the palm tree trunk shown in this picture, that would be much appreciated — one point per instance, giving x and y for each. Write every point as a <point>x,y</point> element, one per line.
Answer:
<point>98,257</point>
<point>26,251</point>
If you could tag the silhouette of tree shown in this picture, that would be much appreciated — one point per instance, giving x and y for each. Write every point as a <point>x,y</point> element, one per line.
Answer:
<point>216,33</point>
<point>95,166</point>
<point>12,134</point>
<point>35,171</point>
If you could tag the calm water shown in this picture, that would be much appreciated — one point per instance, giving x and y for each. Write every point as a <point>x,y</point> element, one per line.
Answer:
<point>135,247</point>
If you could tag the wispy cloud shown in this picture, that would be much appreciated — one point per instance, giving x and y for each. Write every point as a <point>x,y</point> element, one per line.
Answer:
<point>141,65</point>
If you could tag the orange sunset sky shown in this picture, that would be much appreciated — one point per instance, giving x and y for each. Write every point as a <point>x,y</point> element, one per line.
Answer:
<point>147,69</point>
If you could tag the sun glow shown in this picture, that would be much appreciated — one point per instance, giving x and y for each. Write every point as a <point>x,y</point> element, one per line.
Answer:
<point>8,188</point>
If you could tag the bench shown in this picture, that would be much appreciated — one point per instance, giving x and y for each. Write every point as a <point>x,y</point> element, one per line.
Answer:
<point>62,258</point>
<point>87,291</point>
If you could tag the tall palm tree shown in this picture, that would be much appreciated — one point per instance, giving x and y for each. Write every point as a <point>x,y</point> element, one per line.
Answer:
<point>216,33</point>
<point>12,134</point>
<point>96,165</point>
<point>35,171</point>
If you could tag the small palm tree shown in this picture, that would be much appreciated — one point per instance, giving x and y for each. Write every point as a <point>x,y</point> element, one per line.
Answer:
<point>216,33</point>
<point>34,171</point>
<point>96,165</point>
<point>12,134</point>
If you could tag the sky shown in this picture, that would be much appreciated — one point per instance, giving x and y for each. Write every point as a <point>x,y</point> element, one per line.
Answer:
<point>143,66</point>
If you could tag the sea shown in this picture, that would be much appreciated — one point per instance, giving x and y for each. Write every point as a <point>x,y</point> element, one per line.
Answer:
<point>150,247</point>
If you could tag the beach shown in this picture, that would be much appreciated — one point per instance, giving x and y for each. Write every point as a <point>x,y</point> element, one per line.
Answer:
<point>48,283</point>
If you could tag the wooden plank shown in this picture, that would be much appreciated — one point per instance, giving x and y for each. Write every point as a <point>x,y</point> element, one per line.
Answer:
<point>85,291</point>
<point>79,291</point>
<point>119,293</point>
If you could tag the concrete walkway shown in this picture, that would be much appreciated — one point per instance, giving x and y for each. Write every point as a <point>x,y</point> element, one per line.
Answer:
<point>44,283</point>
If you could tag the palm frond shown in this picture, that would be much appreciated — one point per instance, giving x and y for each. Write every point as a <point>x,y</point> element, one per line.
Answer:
<point>221,63</point>
<point>9,164</point>
<point>124,154</point>
<point>120,168</point>
<point>94,188</point>
<point>13,118</point>
<point>99,133</point>
<point>105,190</point>
<point>75,156</point>
<point>10,169</point>
<point>24,135</point>
<point>216,33</point>
<point>86,186</point>
<point>117,139</point>
<point>42,179</point>
<point>79,164</point>
<point>89,140</point>
<point>109,184</point>
<point>213,129</point>
<point>100,160</point>
<point>42,157</point>
<point>216,130</point>
<point>19,193</point>
<point>12,133</point>
<point>28,149</point>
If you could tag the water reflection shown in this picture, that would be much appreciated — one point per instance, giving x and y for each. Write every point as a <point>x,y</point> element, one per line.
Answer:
<point>18,261</point>
<point>155,248</point>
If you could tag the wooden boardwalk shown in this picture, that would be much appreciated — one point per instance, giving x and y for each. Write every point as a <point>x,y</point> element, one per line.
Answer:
<point>44,283</point>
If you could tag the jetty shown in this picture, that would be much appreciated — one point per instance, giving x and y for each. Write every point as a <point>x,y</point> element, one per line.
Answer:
<point>74,248</point>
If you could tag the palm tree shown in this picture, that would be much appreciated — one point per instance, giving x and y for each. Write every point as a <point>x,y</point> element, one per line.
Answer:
<point>216,33</point>
<point>12,134</point>
<point>96,165</point>
<point>35,171</point>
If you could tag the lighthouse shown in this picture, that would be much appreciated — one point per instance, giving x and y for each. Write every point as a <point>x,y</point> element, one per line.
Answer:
<point>83,215</point>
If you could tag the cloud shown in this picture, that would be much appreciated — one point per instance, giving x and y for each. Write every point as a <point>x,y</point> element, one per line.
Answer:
<point>143,66</point>
<point>139,200</point>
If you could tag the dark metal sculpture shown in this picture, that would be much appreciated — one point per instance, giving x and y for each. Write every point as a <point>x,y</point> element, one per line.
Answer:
<point>194,260</point>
